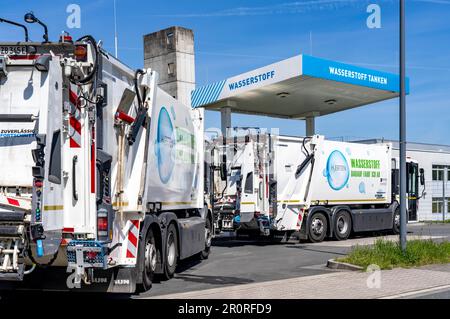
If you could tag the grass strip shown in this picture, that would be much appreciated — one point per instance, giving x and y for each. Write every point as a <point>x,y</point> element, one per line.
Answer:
<point>388,254</point>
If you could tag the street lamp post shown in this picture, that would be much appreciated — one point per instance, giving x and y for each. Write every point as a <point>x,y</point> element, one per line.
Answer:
<point>115,32</point>
<point>402,129</point>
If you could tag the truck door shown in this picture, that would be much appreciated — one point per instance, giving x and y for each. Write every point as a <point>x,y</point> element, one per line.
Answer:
<point>248,198</point>
<point>30,143</point>
<point>412,189</point>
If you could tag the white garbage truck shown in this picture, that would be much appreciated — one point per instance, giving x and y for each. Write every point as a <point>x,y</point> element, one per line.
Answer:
<point>101,171</point>
<point>307,188</point>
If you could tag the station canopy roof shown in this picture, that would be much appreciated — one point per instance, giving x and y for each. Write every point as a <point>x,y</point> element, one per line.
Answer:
<point>299,87</point>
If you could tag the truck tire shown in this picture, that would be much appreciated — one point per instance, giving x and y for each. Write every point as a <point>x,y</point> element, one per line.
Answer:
<point>342,225</point>
<point>149,260</point>
<point>396,221</point>
<point>171,253</point>
<point>317,227</point>
<point>204,254</point>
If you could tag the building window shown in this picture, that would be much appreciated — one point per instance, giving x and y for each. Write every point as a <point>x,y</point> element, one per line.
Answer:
<point>171,69</point>
<point>438,172</point>
<point>437,205</point>
<point>170,40</point>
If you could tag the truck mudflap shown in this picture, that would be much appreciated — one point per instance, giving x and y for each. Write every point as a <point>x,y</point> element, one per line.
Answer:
<point>115,280</point>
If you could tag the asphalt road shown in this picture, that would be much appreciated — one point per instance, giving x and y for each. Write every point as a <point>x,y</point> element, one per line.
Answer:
<point>234,262</point>
<point>444,294</point>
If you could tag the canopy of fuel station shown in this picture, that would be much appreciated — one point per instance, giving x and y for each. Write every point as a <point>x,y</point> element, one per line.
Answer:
<point>301,87</point>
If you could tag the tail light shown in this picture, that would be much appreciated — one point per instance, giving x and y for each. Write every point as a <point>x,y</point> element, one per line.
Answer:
<point>91,255</point>
<point>38,183</point>
<point>102,226</point>
<point>81,53</point>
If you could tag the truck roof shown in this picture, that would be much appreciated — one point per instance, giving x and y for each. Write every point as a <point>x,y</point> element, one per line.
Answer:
<point>299,87</point>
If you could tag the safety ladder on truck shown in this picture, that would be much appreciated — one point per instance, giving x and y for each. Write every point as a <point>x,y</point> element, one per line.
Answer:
<point>14,219</point>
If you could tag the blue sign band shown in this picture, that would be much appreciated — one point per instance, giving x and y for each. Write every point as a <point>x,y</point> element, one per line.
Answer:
<point>346,73</point>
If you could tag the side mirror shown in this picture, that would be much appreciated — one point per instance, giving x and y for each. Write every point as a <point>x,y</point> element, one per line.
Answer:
<point>422,176</point>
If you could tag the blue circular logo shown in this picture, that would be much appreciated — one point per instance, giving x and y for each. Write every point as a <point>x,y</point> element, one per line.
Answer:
<point>337,170</point>
<point>165,145</point>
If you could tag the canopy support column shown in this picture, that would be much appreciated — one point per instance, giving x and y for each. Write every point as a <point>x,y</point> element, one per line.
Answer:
<point>225,119</point>
<point>310,126</point>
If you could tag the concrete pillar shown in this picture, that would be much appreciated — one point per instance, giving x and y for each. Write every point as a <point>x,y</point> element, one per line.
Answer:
<point>310,126</point>
<point>170,52</point>
<point>225,119</point>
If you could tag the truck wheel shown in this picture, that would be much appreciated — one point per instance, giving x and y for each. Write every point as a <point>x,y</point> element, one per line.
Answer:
<point>396,221</point>
<point>318,227</point>
<point>149,260</point>
<point>342,225</point>
<point>204,254</point>
<point>171,252</point>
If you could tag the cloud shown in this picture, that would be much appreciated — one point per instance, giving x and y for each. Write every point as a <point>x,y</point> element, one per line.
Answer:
<point>292,8</point>
<point>395,66</point>
<point>282,8</point>
<point>447,2</point>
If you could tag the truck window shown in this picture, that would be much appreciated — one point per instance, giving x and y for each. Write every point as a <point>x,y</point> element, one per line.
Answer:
<point>248,189</point>
<point>412,179</point>
<point>54,174</point>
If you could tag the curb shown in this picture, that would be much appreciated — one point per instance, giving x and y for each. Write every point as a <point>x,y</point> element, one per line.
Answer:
<point>333,264</point>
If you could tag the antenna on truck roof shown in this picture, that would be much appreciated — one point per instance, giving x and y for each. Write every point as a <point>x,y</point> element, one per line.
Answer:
<point>17,24</point>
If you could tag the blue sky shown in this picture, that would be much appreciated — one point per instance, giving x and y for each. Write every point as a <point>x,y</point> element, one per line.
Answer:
<point>236,36</point>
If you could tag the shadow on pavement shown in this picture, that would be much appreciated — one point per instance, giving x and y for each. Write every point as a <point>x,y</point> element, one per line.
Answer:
<point>213,280</point>
<point>232,242</point>
<point>311,248</point>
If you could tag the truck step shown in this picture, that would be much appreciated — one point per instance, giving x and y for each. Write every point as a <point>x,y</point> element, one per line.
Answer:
<point>12,217</point>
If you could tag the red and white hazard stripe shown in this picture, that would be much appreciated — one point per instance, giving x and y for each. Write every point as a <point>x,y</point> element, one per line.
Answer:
<point>132,239</point>
<point>14,202</point>
<point>75,118</point>
<point>300,218</point>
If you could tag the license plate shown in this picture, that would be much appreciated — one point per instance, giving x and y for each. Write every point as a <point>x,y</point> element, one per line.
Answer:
<point>13,50</point>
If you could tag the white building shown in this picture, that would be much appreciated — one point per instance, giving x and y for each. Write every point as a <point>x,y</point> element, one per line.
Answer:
<point>435,160</point>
